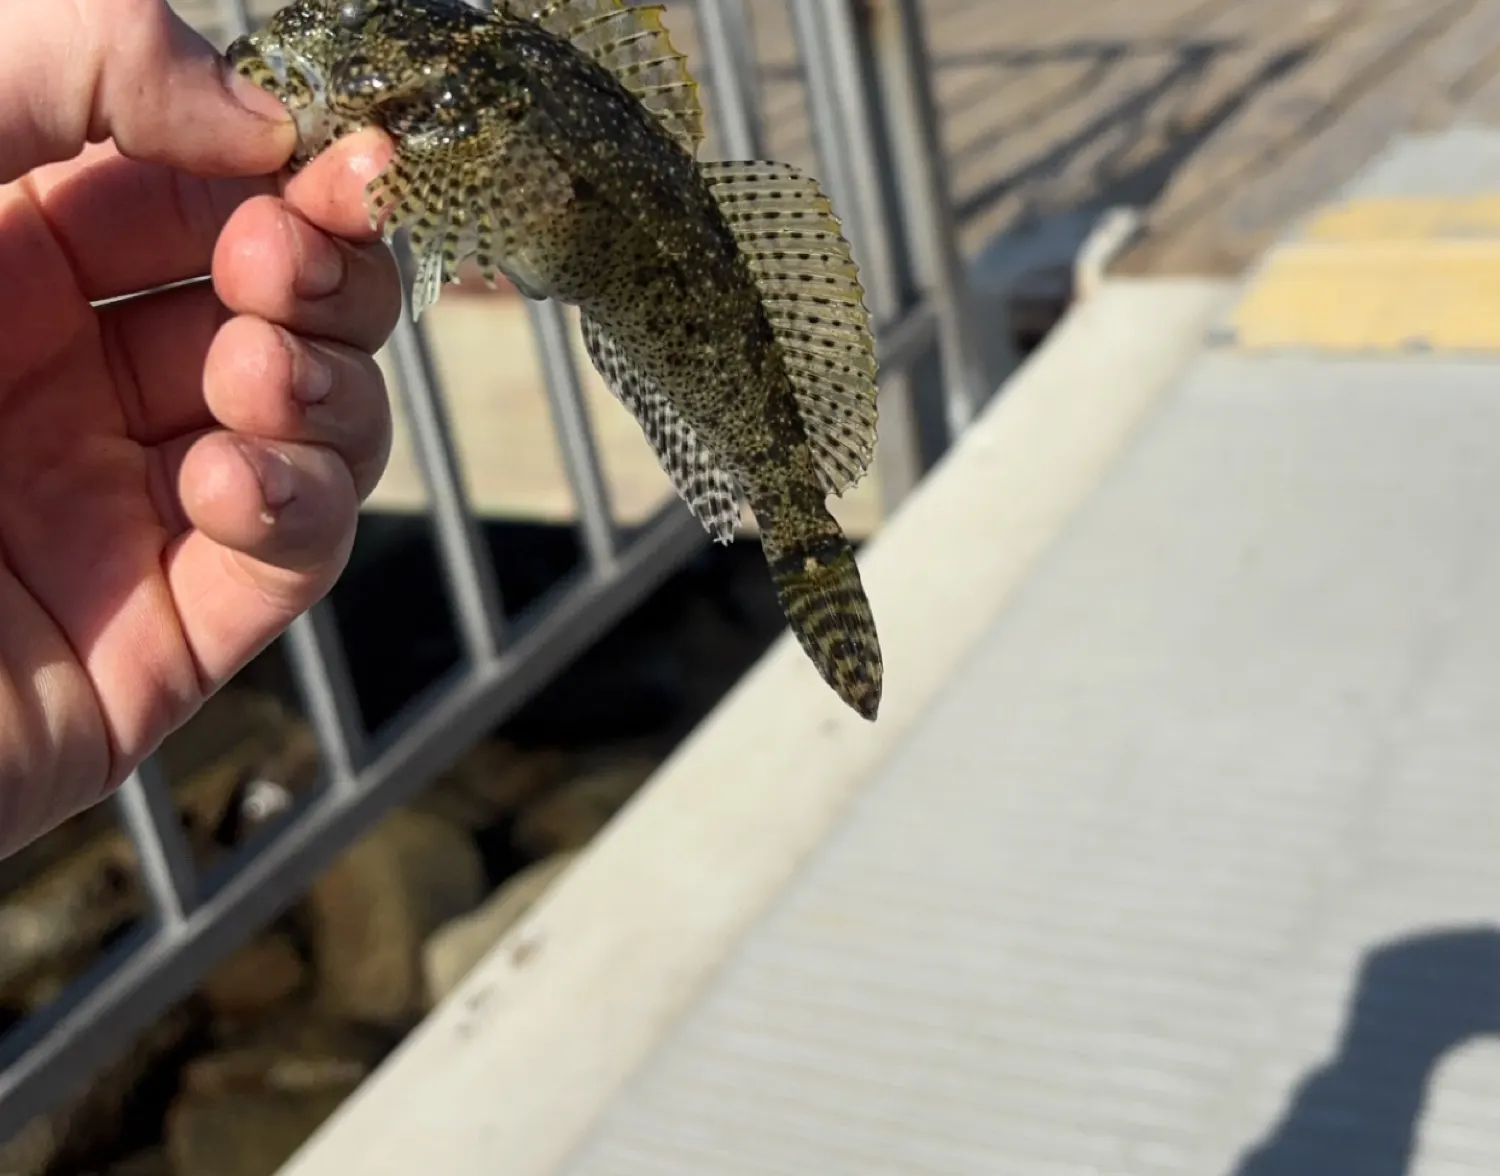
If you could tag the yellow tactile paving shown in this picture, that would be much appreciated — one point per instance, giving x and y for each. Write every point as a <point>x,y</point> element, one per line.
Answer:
<point>1405,218</point>
<point>1390,274</point>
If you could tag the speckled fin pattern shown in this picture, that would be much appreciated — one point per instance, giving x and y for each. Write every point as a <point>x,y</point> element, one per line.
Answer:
<point>710,492</point>
<point>427,189</point>
<point>632,43</point>
<point>810,286</point>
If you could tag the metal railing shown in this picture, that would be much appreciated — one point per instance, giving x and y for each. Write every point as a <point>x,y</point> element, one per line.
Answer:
<point>875,130</point>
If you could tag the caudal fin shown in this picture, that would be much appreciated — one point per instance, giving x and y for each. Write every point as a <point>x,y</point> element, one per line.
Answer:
<point>826,606</point>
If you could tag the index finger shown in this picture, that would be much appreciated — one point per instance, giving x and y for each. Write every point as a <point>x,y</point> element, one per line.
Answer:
<point>330,191</point>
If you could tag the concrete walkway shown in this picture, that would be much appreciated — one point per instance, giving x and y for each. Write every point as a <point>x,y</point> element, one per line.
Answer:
<point>1175,848</point>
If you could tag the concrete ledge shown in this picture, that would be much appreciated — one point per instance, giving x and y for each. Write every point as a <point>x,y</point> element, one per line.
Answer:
<point>514,1068</point>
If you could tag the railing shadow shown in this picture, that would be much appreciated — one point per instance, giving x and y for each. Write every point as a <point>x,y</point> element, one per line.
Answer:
<point>1357,1115</point>
<point>1167,109</point>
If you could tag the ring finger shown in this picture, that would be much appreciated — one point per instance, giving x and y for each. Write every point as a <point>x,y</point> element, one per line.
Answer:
<point>263,381</point>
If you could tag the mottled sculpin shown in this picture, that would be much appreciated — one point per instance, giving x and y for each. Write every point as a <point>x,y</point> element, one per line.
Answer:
<point>556,142</point>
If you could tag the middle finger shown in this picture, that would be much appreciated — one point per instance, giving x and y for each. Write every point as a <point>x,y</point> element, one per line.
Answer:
<point>273,264</point>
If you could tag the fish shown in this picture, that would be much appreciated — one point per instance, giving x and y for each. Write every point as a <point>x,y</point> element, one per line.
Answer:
<point>556,142</point>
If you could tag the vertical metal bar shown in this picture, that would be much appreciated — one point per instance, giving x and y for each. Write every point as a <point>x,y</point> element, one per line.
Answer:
<point>847,138</point>
<point>466,563</point>
<point>166,863</point>
<point>921,172</point>
<point>729,48</point>
<point>574,436</point>
<point>316,653</point>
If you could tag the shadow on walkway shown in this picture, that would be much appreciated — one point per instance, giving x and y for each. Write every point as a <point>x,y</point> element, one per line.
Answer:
<point>1416,999</point>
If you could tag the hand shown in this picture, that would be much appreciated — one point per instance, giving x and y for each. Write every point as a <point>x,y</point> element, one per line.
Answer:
<point>179,474</point>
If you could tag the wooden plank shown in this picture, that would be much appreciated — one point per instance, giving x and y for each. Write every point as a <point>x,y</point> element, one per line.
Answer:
<point>1010,175</point>
<point>1224,53</point>
<point>1320,165</point>
<point>1202,223</point>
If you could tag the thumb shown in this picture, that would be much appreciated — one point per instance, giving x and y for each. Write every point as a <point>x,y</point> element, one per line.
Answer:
<point>131,71</point>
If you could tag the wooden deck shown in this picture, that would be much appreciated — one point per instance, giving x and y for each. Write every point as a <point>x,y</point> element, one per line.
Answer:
<point>1221,120</point>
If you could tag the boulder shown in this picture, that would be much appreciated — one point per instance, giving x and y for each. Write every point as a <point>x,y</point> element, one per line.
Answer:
<point>370,913</point>
<point>452,951</point>
<point>568,817</point>
<point>260,976</point>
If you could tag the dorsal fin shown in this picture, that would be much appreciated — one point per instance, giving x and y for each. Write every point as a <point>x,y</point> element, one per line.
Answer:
<point>632,44</point>
<point>809,283</point>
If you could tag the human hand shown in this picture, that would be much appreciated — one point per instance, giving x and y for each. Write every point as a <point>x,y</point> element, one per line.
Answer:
<point>180,474</point>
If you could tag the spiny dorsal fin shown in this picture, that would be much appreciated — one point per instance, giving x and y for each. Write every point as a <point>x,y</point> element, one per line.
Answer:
<point>632,44</point>
<point>809,283</point>
<point>710,492</point>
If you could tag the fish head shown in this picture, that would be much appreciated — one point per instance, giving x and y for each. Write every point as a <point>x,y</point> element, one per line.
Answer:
<point>293,56</point>
<point>412,67</point>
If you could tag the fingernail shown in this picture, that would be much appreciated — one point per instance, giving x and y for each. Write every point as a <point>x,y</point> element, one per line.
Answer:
<point>277,477</point>
<point>312,373</point>
<point>259,102</point>
<point>320,264</point>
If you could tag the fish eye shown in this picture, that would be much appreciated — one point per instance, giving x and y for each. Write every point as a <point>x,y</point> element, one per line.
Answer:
<point>352,13</point>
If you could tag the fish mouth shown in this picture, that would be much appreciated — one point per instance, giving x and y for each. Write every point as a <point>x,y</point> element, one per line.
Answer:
<point>267,62</point>
<point>256,61</point>
<point>293,79</point>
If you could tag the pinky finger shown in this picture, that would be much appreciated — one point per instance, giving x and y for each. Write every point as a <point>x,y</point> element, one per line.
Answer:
<point>271,529</point>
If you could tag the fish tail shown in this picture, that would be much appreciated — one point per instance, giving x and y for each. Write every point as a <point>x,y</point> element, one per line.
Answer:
<point>819,588</point>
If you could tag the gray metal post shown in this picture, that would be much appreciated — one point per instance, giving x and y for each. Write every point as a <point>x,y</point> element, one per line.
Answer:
<point>466,563</point>
<point>921,172</point>
<point>144,803</point>
<point>574,437</point>
<point>846,133</point>
<point>316,653</point>
<point>729,48</point>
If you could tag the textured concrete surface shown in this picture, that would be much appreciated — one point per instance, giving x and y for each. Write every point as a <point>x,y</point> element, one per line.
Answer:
<point>512,1070</point>
<point>1191,868</point>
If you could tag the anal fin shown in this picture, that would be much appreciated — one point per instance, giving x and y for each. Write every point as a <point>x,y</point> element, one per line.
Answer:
<point>710,492</point>
<point>427,282</point>
<point>809,285</point>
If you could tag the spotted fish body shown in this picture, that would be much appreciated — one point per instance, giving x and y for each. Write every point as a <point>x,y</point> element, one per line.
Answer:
<point>556,141</point>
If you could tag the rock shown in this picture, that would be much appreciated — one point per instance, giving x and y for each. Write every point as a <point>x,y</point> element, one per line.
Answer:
<point>55,924</point>
<point>270,783</point>
<point>226,723</point>
<point>296,1056</point>
<point>569,817</point>
<point>153,1162</point>
<point>64,914</point>
<point>243,1110</point>
<point>84,1129</point>
<point>451,952</point>
<point>245,1134</point>
<point>261,975</point>
<point>369,915</point>
<point>490,783</point>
